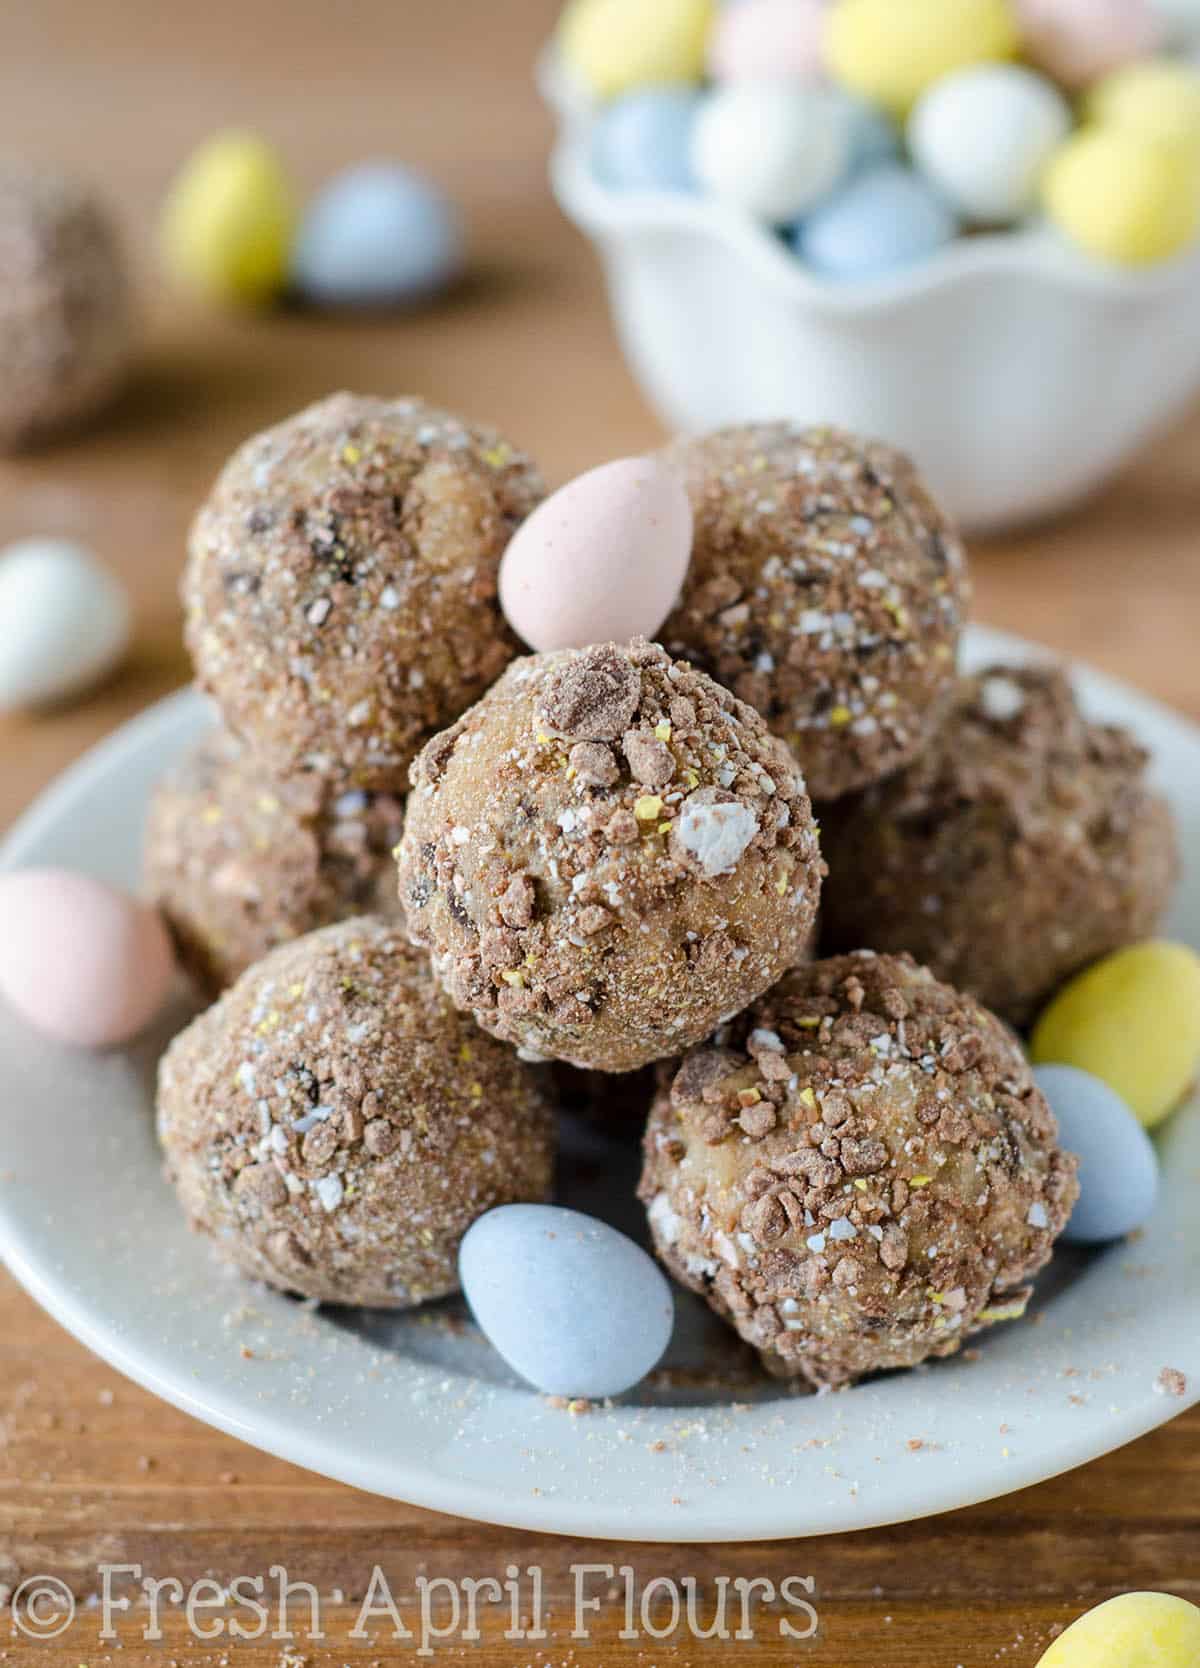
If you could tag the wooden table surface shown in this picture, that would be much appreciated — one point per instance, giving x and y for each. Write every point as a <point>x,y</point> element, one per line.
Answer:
<point>94,1470</point>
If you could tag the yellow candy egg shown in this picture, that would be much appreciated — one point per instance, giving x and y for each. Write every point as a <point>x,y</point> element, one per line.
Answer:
<point>1123,197</point>
<point>1136,1630</point>
<point>616,45</point>
<point>228,221</point>
<point>889,51</point>
<point>1159,98</point>
<point>1132,1020</point>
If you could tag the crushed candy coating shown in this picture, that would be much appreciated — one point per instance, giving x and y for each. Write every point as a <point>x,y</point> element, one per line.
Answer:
<point>337,1126</point>
<point>340,592</point>
<point>643,915</point>
<point>826,589</point>
<point>1025,844</point>
<point>238,864</point>
<point>858,1172</point>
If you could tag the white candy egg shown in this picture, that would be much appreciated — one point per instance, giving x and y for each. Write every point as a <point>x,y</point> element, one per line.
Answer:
<point>771,149</point>
<point>602,560</point>
<point>983,136</point>
<point>67,622</point>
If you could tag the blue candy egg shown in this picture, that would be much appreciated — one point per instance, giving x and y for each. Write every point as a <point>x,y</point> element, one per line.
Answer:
<point>887,217</point>
<point>873,136</point>
<point>642,142</point>
<point>573,1306</point>
<point>1118,1166</point>
<point>377,233</point>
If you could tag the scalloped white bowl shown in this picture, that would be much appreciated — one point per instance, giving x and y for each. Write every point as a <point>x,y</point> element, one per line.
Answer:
<point>1019,373</point>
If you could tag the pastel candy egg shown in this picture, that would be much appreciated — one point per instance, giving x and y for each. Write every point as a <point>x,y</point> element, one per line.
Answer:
<point>1136,1630</point>
<point>573,1306</point>
<point>67,622</point>
<point>612,46</point>
<point>378,233</point>
<point>1159,99</point>
<point>79,960</point>
<point>767,40</point>
<point>871,134</point>
<point>1118,1167</point>
<point>984,135</point>
<point>1132,1020</point>
<point>601,560</point>
<point>1076,41</point>
<point>1122,197</point>
<point>1180,20</point>
<point>770,149</point>
<point>891,50</point>
<point>228,220</point>
<point>642,142</point>
<point>886,218</point>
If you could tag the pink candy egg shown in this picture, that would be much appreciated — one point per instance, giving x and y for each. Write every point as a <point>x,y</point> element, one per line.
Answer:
<point>1077,41</point>
<point>79,960</point>
<point>602,560</point>
<point>768,40</point>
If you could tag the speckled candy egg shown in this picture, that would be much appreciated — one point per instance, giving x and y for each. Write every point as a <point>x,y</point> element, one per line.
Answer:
<point>1076,41</point>
<point>1118,1167</point>
<point>79,960</point>
<point>1136,1630</point>
<point>1132,1020</point>
<point>601,560</point>
<point>1122,197</point>
<point>378,233</point>
<point>67,622</point>
<point>572,1305</point>
<point>983,136</point>
<point>612,46</point>
<point>768,40</point>
<point>642,142</point>
<point>228,221</point>
<point>886,218</point>
<point>770,149</point>
<point>891,50</point>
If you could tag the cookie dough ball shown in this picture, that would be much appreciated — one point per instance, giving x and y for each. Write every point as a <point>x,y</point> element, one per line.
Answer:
<point>337,1126</point>
<point>607,856</point>
<point>858,1173</point>
<point>66,327</point>
<point>341,587</point>
<point>826,589</point>
<point>238,864</point>
<point>1024,844</point>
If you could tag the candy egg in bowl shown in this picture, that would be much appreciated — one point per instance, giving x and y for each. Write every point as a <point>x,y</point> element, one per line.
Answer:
<point>1022,361</point>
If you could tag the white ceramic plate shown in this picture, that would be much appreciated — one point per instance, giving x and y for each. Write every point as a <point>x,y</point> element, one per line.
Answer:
<point>418,1408</point>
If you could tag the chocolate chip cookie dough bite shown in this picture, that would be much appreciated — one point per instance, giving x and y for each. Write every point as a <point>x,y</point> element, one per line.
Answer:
<point>66,315</point>
<point>826,589</point>
<point>238,864</point>
<point>340,591</point>
<point>607,856</point>
<point>1025,843</point>
<point>337,1126</point>
<point>858,1173</point>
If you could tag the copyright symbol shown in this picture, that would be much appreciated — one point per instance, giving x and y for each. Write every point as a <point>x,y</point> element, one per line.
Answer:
<point>43,1607</point>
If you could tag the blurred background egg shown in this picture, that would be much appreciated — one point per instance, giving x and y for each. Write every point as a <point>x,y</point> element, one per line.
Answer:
<point>228,221</point>
<point>885,219</point>
<point>1076,41</point>
<point>984,135</point>
<point>770,149</point>
<point>79,960</point>
<point>377,233</point>
<point>67,622</point>
<point>612,46</point>
<point>601,560</point>
<point>891,50</point>
<point>766,40</point>
<point>642,142</point>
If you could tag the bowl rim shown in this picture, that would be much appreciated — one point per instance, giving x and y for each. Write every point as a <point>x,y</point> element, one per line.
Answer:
<point>1034,251</point>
